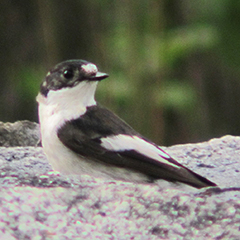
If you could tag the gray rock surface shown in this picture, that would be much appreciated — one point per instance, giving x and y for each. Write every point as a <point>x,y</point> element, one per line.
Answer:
<point>21,133</point>
<point>38,203</point>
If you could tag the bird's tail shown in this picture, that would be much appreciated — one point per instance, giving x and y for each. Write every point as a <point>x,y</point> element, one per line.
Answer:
<point>187,176</point>
<point>196,180</point>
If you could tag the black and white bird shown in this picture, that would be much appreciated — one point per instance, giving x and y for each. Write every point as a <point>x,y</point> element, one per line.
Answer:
<point>81,137</point>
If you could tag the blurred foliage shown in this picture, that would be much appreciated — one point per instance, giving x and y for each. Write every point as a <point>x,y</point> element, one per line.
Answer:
<point>174,65</point>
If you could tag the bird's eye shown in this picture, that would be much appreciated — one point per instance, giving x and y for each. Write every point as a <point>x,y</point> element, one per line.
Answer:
<point>68,73</point>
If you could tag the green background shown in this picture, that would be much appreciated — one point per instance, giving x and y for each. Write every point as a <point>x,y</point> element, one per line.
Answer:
<point>174,65</point>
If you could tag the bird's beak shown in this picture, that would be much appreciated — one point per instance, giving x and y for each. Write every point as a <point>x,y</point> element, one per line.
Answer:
<point>98,76</point>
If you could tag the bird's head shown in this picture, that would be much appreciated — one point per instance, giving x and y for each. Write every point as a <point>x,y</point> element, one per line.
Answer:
<point>69,74</point>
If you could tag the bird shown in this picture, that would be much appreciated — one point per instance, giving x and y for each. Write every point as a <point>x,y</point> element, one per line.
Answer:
<point>79,136</point>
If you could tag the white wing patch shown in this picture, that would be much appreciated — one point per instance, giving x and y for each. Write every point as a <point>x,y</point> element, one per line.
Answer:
<point>124,142</point>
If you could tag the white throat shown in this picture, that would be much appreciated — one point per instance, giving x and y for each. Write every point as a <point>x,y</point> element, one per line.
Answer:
<point>68,103</point>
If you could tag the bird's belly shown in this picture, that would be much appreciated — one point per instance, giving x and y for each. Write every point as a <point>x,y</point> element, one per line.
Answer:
<point>67,162</point>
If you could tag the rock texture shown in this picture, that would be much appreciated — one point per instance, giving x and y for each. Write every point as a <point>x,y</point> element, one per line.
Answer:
<point>37,203</point>
<point>21,133</point>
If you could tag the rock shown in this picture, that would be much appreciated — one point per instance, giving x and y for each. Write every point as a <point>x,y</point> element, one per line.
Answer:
<point>21,133</point>
<point>37,203</point>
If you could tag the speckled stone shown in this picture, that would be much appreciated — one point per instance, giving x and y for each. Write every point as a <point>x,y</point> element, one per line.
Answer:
<point>20,133</point>
<point>38,203</point>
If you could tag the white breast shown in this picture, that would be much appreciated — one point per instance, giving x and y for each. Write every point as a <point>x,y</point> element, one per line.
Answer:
<point>54,110</point>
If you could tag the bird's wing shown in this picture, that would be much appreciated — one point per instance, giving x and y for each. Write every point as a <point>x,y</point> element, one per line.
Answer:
<point>101,135</point>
